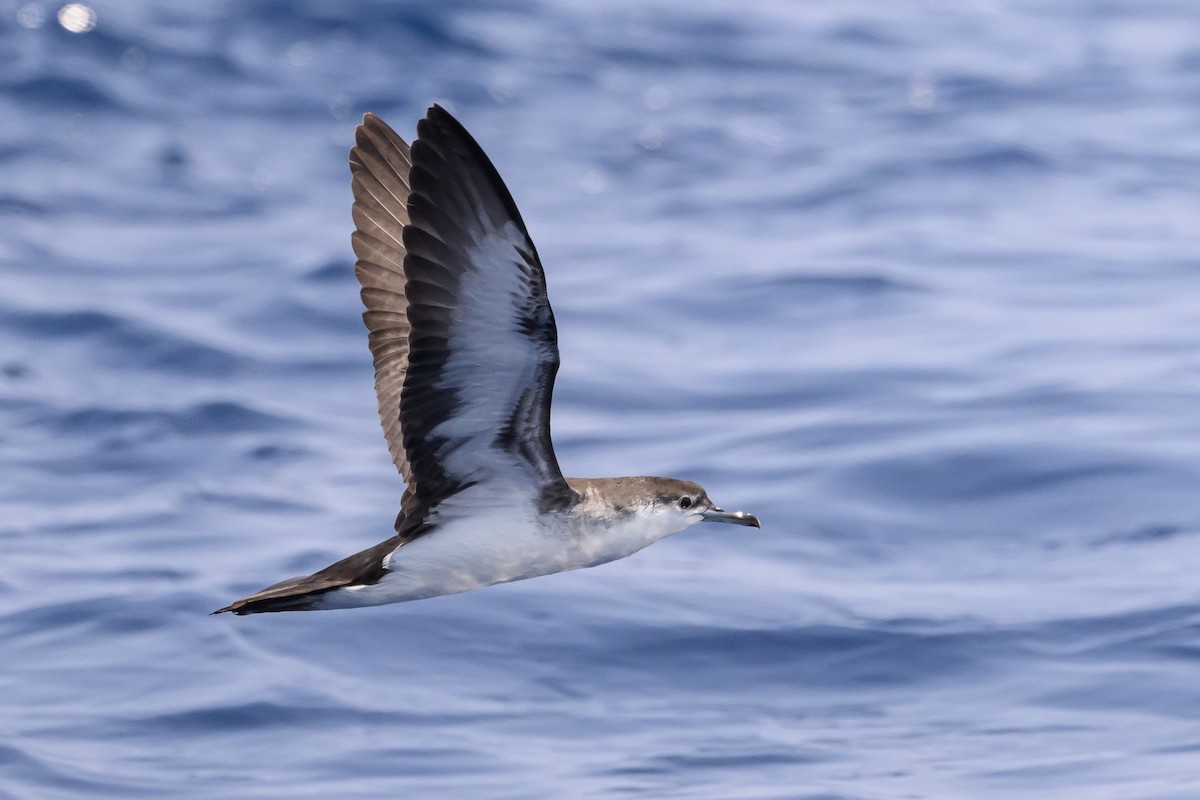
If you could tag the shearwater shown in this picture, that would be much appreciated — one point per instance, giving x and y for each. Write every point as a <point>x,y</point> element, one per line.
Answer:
<point>465,352</point>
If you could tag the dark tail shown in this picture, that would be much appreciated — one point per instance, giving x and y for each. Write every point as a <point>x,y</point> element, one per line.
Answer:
<point>304,594</point>
<point>294,594</point>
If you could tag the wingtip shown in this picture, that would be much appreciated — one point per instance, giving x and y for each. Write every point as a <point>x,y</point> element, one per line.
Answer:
<point>369,122</point>
<point>438,114</point>
<point>435,112</point>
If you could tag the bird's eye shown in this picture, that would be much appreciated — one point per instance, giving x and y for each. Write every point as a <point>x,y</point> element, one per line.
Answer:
<point>685,502</point>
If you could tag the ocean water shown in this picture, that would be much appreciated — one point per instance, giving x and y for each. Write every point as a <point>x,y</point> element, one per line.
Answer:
<point>917,283</point>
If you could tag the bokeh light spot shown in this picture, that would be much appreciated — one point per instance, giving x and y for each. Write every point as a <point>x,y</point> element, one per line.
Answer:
<point>921,93</point>
<point>77,18</point>
<point>31,16</point>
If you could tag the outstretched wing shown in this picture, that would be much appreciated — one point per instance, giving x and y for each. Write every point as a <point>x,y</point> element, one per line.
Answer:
<point>379,165</point>
<point>462,335</point>
<point>482,344</point>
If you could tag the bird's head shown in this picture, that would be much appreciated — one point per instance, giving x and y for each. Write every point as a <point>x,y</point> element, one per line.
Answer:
<point>688,503</point>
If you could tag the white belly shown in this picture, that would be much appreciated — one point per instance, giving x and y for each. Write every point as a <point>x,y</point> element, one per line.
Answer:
<point>481,550</point>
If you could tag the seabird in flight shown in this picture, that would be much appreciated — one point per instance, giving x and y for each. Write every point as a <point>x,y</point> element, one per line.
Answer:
<point>465,352</point>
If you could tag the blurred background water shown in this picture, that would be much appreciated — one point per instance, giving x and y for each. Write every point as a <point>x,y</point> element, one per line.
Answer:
<point>918,283</point>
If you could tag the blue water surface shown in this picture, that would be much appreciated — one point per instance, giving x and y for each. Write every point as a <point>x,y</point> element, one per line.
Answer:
<point>917,283</point>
